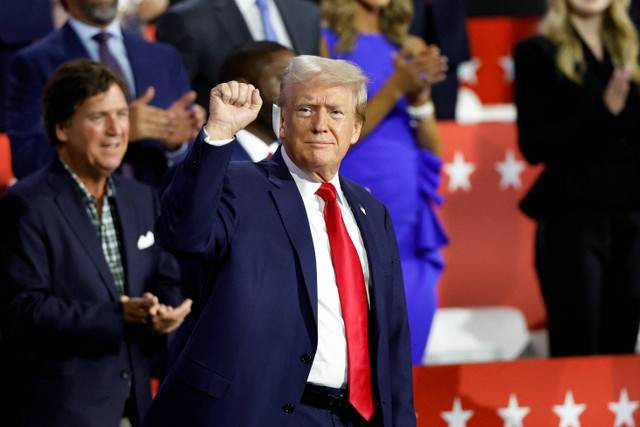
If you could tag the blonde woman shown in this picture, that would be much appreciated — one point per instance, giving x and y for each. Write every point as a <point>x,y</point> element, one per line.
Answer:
<point>578,105</point>
<point>398,157</point>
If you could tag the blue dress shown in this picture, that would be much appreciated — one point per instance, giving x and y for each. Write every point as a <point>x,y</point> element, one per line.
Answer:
<point>405,177</point>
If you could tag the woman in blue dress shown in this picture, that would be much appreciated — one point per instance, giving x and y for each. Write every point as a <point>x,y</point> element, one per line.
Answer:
<point>397,158</point>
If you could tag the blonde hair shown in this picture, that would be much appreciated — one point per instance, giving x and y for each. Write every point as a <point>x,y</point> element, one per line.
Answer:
<point>339,16</point>
<point>305,68</point>
<point>619,37</point>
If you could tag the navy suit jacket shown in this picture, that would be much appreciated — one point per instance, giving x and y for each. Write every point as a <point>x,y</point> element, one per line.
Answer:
<point>68,358</point>
<point>153,64</point>
<point>207,31</point>
<point>250,352</point>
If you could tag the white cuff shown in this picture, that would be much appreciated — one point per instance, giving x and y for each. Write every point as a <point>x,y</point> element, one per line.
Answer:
<point>423,111</point>
<point>217,142</point>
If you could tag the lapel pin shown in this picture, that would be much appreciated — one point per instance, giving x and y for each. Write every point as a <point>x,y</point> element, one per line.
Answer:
<point>363,211</point>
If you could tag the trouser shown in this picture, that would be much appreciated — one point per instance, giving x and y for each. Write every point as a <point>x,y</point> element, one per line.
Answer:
<point>588,265</point>
<point>328,407</point>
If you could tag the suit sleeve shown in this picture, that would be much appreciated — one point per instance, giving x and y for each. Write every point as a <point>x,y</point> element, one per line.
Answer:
<point>32,313</point>
<point>198,216</point>
<point>403,411</point>
<point>167,281</point>
<point>30,149</point>
<point>555,116</point>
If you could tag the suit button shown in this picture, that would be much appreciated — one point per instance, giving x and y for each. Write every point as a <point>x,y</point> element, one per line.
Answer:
<point>124,375</point>
<point>288,408</point>
<point>305,358</point>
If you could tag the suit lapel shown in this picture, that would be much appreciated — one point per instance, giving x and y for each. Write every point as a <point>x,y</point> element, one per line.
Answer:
<point>71,207</point>
<point>71,45</point>
<point>136,59</point>
<point>124,208</point>
<point>290,20</point>
<point>294,218</point>
<point>376,294</point>
<point>230,18</point>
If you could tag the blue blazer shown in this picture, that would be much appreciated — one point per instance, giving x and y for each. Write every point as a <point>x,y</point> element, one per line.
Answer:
<point>250,352</point>
<point>68,358</point>
<point>153,64</point>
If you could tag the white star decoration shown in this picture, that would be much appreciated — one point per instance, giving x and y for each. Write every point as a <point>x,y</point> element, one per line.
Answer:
<point>510,170</point>
<point>624,409</point>
<point>468,71</point>
<point>506,62</point>
<point>513,414</point>
<point>459,172</point>
<point>569,412</point>
<point>457,417</point>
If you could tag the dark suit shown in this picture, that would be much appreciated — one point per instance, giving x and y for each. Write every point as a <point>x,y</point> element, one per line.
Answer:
<point>153,64</point>
<point>443,23</point>
<point>206,31</point>
<point>69,359</point>
<point>249,356</point>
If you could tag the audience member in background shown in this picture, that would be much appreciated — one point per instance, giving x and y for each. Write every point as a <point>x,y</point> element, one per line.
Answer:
<point>207,31</point>
<point>443,23</point>
<point>260,64</point>
<point>398,158</point>
<point>161,120</point>
<point>21,23</point>
<point>84,287</point>
<point>578,103</point>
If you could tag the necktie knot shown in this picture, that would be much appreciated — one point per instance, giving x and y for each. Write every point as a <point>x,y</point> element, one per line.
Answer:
<point>327,192</point>
<point>102,37</point>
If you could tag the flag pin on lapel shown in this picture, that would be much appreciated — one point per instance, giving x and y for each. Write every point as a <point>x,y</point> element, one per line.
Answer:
<point>362,210</point>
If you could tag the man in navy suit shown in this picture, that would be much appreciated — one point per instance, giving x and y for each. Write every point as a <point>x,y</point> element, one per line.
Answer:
<point>302,321</point>
<point>86,297</point>
<point>161,120</point>
<point>207,31</point>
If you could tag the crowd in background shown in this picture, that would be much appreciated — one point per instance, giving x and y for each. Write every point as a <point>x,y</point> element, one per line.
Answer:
<point>576,92</point>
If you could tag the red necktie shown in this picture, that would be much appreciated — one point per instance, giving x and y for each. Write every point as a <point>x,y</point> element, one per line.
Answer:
<point>353,300</point>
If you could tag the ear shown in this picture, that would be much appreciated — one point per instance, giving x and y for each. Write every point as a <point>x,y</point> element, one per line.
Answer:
<point>62,133</point>
<point>357,129</point>
<point>282,132</point>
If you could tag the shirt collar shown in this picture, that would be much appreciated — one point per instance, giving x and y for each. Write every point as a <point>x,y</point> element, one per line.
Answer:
<point>86,31</point>
<point>111,189</point>
<point>306,184</point>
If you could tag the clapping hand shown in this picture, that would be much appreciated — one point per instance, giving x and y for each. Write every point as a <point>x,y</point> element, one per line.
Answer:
<point>232,107</point>
<point>615,94</point>
<point>148,312</point>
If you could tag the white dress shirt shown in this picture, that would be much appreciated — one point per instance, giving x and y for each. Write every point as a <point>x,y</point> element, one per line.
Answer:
<point>254,146</point>
<point>115,43</point>
<point>251,14</point>
<point>329,366</point>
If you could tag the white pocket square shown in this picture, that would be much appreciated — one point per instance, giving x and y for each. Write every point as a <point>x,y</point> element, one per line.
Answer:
<point>145,240</point>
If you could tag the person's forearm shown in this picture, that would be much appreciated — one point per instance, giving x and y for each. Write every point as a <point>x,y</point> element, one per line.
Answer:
<point>380,105</point>
<point>428,135</point>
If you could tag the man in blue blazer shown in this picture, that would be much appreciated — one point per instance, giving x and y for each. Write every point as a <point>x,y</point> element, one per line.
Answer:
<point>161,120</point>
<point>302,321</point>
<point>207,31</point>
<point>86,296</point>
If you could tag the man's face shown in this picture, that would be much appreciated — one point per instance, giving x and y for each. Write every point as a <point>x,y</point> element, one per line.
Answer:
<point>269,82</point>
<point>95,139</point>
<point>318,126</point>
<point>95,12</point>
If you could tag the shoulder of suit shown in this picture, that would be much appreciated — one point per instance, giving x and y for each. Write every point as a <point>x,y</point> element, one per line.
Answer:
<point>42,46</point>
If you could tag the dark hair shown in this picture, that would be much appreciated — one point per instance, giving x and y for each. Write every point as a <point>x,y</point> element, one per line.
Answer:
<point>69,86</point>
<point>247,61</point>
